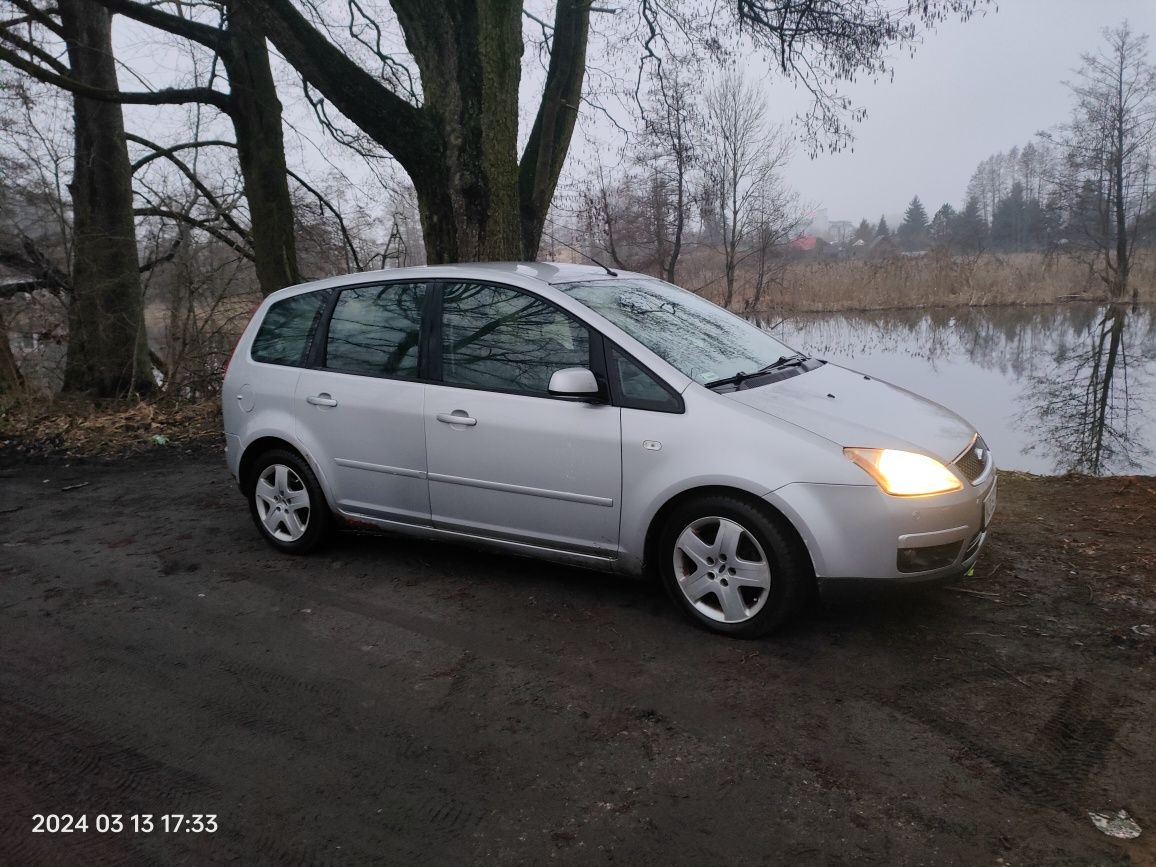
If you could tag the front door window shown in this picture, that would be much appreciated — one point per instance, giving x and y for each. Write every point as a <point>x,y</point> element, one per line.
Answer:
<point>500,339</point>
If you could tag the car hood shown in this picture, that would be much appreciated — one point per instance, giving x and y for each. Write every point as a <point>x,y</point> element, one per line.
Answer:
<point>852,409</point>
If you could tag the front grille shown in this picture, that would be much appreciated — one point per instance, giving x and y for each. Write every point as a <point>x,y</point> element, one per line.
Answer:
<point>974,461</point>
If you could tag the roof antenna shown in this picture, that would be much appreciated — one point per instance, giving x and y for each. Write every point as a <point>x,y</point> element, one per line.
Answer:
<point>580,253</point>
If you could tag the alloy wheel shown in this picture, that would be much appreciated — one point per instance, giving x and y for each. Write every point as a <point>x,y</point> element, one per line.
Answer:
<point>282,502</point>
<point>722,570</point>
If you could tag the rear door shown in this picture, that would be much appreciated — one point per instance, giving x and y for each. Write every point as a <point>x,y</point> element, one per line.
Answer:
<point>506,459</point>
<point>360,407</point>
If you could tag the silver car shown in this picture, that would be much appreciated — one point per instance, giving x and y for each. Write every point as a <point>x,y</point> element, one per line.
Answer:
<point>599,419</point>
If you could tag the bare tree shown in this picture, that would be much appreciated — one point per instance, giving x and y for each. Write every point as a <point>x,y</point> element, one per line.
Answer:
<point>251,103</point>
<point>624,215</point>
<point>669,145</point>
<point>1108,150</point>
<point>778,217</point>
<point>742,156</point>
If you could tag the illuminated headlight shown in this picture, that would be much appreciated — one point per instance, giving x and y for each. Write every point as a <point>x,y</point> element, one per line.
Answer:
<point>905,474</point>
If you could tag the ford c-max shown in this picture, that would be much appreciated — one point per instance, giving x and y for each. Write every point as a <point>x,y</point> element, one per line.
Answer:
<point>600,419</point>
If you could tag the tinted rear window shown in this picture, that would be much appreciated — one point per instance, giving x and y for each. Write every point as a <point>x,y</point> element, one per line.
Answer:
<point>375,330</point>
<point>284,334</point>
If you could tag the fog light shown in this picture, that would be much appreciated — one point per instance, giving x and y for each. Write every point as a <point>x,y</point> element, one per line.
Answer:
<point>926,559</point>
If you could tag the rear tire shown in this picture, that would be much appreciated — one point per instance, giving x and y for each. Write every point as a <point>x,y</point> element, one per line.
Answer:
<point>730,566</point>
<point>287,503</point>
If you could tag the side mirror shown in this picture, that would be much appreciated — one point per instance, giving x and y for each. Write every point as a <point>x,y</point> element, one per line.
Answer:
<point>575,382</point>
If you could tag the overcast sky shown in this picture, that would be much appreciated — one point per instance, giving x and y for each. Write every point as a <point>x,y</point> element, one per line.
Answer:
<point>971,90</point>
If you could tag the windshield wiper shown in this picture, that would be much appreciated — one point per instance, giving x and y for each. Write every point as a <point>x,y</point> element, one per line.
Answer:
<point>783,361</point>
<point>742,376</point>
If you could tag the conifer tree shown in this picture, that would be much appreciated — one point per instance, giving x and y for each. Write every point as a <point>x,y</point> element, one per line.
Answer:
<point>912,231</point>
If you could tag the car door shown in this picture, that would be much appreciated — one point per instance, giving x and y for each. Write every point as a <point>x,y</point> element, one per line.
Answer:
<point>360,407</point>
<point>506,459</point>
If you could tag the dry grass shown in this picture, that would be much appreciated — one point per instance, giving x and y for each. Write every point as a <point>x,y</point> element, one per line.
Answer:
<point>932,280</point>
<point>79,429</point>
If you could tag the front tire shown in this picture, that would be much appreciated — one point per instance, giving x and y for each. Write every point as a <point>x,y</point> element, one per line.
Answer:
<point>730,566</point>
<point>286,502</point>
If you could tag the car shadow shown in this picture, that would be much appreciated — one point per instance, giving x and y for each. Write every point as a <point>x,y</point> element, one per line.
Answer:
<point>826,619</point>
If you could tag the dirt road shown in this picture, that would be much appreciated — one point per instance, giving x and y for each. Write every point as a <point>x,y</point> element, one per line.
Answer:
<point>399,702</point>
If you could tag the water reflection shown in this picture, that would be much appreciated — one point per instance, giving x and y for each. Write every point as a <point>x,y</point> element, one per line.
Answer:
<point>1052,389</point>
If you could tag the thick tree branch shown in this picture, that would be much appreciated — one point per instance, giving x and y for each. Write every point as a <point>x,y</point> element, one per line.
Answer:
<point>34,51</point>
<point>177,148</point>
<point>329,206</point>
<point>160,258</point>
<point>198,184</point>
<point>399,126</point>
<point>29,260</point>
<point>37,15</point>
<point>549,139</point>
<point>165,96</point>
<point>204,34</point>
<point>204,225</point>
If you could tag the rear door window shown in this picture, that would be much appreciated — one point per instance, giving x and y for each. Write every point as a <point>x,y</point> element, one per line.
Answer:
<point>376,330</point>
<point>283,337</point>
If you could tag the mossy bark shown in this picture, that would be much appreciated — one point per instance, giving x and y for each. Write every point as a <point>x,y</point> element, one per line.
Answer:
<point>107,348</point>
<point>469,55</point>
<point>256,114</point>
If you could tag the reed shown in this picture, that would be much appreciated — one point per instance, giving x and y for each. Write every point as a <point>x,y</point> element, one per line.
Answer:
<point>933,280</point>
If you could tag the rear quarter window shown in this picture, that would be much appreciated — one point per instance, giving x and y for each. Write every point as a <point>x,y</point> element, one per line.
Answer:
<point>283,337</point>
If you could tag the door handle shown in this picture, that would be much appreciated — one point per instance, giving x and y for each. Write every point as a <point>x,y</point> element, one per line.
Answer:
<point>458,416</point>
<point>322,399</point>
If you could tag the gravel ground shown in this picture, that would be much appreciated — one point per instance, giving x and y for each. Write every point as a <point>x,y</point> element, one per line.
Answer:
<point>400,702</point>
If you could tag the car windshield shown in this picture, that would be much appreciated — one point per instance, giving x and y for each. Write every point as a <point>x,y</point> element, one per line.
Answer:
<point>701,339</point>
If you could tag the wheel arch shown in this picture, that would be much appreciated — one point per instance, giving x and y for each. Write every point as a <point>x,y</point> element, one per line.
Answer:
<point>654,530</point>
<point>258,447</point>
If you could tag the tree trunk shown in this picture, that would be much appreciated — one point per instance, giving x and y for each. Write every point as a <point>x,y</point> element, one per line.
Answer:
<point>1120,284</point>
<point>471,63</point>
<point>11,379</point>
<point>477,200</point>
<point>107,348</point>
<point>670,268</point>
<point>256,114</point>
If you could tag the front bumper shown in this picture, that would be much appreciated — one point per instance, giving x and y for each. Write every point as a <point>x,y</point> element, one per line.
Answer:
<point>857,532</point>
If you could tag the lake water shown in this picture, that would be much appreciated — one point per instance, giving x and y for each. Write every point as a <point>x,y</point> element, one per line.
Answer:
<point>1052,389</point>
